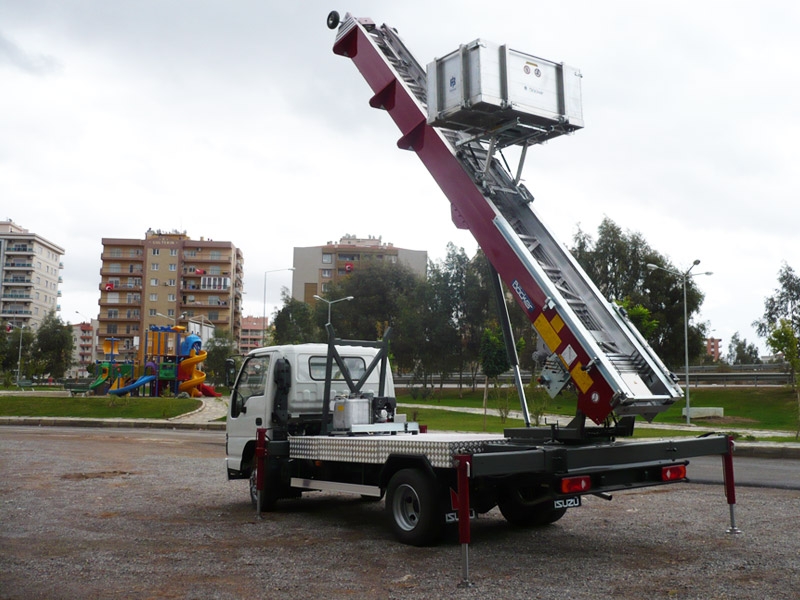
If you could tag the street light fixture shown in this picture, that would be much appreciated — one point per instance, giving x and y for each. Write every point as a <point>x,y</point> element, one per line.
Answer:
<point>684,276</point>
<point>331,302</point>
<point>174,319</point>
<point>264,310</point>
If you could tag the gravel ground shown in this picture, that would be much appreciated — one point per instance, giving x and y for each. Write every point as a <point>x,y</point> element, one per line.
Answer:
<point>92,513</point>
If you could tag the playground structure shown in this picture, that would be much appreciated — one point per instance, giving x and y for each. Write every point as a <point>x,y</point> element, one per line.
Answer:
<point>167,364</point>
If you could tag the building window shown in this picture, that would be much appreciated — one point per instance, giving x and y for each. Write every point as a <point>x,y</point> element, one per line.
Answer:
<point>153,297</point>
<point>173,252</point>
<point>115,253</point>
<point>155,251</point>
<point>152,312</point>
<point>113,313</point>
<point>115,268</point>
<point>171,297</point>
<point>171,282</point>
<point>154,267</point>
<point>327,258</point>
<point>216,255</point>
<point>173,267</point>
<point>112,298</point>
<point>154,281</point>
<point>111,328</point>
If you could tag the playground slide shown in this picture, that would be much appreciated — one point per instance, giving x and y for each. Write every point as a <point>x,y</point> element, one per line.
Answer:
<point>132,386</point>
<point>194,377</point>
<point>101,379</point>
<point>208,391</point>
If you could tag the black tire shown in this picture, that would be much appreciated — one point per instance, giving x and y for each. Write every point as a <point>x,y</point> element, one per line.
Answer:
<point>333,20</point>
<point>521,511</point>
<point>415,508</point>
<point>269,496</point>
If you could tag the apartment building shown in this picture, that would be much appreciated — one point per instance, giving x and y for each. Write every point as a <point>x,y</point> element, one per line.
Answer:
<point>167,278</point>
<point>30,269</point>
<point>253,332</point>
<point>317,267</point>
<point>83,352</point>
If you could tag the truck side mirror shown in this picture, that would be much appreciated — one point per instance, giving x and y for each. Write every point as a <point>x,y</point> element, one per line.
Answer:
<point>230,371</point>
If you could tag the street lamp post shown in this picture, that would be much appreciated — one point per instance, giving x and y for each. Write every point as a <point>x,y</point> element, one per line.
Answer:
<point>684,276</point>
<point>264,309</point>
<point>19,355</point>
<point>331,302</point>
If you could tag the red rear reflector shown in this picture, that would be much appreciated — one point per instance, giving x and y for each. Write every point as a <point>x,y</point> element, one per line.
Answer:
<point>673,473</point>
<point>576,485</point>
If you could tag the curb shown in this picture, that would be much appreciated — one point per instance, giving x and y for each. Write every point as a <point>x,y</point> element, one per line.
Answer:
<point>110,423</point>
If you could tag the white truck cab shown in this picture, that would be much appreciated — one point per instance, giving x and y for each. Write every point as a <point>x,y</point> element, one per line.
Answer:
<point>285,386</point>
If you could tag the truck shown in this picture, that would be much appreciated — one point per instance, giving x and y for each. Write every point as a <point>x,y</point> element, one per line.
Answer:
<point>324,417</point>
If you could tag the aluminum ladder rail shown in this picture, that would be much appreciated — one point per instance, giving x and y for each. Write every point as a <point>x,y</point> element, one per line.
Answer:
<point>613,368</point>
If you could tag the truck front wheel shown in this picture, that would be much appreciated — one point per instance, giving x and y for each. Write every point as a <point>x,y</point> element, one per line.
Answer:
<point>415,509</point>
<point>269,496</point>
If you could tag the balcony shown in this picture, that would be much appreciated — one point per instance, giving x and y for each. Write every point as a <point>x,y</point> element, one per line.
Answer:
<point>19,249</point>
<point>17,296</point>
<point>18,265</point>
<point>17,281</point>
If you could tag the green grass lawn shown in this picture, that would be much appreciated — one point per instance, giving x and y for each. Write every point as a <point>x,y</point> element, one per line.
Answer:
<point>96,407</point>
<point>751,408</point>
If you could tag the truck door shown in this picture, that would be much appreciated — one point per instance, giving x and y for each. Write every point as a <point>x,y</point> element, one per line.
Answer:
<point>249,409</point>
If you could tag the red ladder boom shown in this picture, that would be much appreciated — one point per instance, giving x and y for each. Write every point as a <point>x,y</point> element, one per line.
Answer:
<point>592,343</point>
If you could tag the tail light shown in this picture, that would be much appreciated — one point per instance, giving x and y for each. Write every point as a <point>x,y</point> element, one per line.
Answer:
<point>576,485</point>
<point>673,473</point>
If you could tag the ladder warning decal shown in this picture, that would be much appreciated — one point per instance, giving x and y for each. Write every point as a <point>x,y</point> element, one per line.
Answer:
<point>549,335</point>
<point>581,378</point>
<point>557,323</point>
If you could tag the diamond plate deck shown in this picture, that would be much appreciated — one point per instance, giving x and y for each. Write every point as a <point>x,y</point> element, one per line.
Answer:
<point>439,448</point>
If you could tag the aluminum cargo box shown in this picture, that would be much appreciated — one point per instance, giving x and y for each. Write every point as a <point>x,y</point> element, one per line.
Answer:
<point>484,86</point>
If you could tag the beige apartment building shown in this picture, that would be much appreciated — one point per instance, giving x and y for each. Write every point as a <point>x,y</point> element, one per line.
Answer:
<point>317,267</point>
<point>167,279</point>
<point>30,271</point>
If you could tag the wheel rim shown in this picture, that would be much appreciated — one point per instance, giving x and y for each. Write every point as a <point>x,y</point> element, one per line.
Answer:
<point>406,507</point>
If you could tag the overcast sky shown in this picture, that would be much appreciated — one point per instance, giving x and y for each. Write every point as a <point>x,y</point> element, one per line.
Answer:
<point>233,120</point>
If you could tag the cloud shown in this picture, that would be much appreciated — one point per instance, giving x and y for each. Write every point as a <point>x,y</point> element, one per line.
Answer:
<point>33,64</point>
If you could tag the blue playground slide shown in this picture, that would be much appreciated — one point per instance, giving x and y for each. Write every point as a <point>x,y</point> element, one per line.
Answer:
<point>132,386</point>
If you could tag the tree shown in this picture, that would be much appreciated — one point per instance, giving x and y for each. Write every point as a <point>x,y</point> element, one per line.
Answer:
<point>54,346</point>
<point>783,339</point>
<point>294,322</point>
<point>617,263</point>
<point>384,295</point>
<point>784,304</point>
<point>742,353</point>
<point>219,348</point>
<point>494,360</point>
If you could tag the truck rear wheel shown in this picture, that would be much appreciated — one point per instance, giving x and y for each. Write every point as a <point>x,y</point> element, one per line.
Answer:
<point>415,508</point>
<point>522,511</point>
